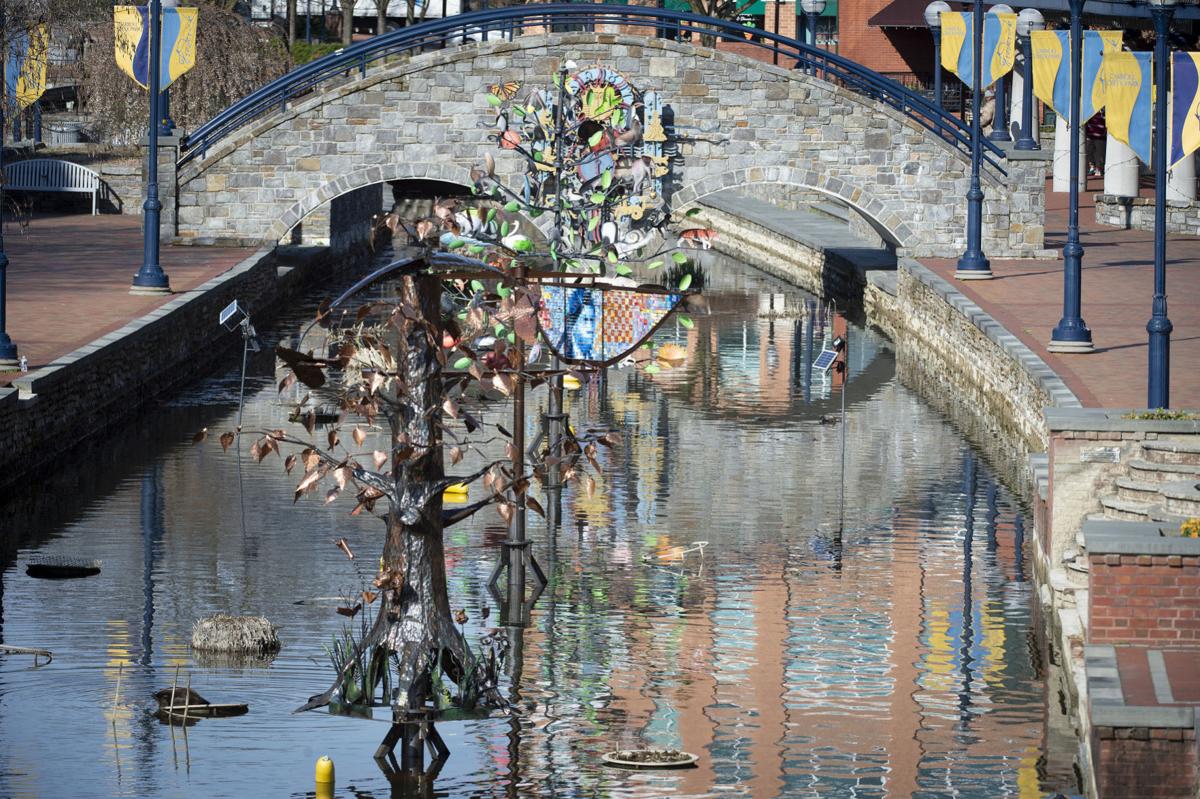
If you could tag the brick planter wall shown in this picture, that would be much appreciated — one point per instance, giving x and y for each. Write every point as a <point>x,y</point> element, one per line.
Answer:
<point>1145,762</point>
<point>1144,599</point>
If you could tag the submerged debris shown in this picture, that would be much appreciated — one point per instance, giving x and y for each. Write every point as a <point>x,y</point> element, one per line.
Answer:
<point>59,567</point>
<point>224,633</point>
<point>650,758</point>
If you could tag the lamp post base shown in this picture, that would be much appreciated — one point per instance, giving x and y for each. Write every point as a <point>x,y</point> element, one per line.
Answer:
<point>973,274</point>
<point>9,364</point>
<point>150,291</point>
<point>1070,346</point>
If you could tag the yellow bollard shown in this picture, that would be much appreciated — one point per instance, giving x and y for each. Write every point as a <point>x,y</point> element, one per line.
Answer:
<point>324,775</point>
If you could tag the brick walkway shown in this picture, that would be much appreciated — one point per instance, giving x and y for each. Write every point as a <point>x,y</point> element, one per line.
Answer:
<point>1117,287</point>
<point>69,276</point>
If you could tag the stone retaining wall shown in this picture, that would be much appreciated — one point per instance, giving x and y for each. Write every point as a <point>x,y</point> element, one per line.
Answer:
<point>1144,762</point>
<point>1137,213</point>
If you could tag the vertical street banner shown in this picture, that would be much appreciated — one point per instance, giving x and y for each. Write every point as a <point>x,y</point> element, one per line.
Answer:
<point>1128,99</point>
<point>25,68</point>
<point>958,45</point>
<point>132,43</point>
<point>1184,124</point>
<point>1052,69</point>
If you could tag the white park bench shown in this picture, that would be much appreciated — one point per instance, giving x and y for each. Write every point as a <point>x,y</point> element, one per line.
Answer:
<point>51,174</point>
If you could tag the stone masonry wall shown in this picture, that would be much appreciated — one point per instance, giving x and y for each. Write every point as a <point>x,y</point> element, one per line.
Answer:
<point>739,121</point>
<point>1137,213</point>
<point>1149,600</point>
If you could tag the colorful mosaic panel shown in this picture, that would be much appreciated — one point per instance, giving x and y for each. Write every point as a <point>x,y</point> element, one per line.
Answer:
<point>600,324</point>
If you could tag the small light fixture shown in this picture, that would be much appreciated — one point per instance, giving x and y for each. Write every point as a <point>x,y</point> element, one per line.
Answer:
<point>933,13</point>
<point>1029,20</point>
<point>812,6</point>
<point>838,343</point>
<point>1001,8</point>
<point>234,317</point>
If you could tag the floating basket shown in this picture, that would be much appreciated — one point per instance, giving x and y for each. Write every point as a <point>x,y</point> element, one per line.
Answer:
<point>245,634</point>
<point>56,567</point>
<point>650,758</point>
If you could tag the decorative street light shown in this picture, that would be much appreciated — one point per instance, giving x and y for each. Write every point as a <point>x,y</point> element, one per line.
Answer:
<point>1029,20</point>
<point>812,9</point>
<point>973,265</point>
<point>1072,333</point>
<point>151,279</point>
<point>933,18</point>
<point>1159,327</point>
<point>1000,117</point>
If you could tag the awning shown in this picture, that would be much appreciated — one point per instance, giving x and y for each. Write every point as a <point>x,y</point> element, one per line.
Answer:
<point>901,14</point>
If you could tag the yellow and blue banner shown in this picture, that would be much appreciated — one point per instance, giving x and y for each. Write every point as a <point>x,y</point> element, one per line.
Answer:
<point>1128,99</point>
<point>132,33</point>
<point>25,67</point>
<point>958,45</point>
<point>1184,124</point>
<point>1052,69</point>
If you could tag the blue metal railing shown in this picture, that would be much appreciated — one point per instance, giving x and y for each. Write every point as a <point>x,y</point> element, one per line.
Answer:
<point>508,22</point>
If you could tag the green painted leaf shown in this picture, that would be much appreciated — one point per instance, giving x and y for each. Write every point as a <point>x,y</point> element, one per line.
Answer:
<point>462,363</point>
<point>512,206</point>
<point>595,138</point>
<point>606,179</point>
<point>687,322</point>
<point>455,244</point>
<point>618,116</point>
<point>503,291</point>
<point>593,223</point>
<point>498,329</point>
<point>623,270</point>
<point>491,214</point>
<point>534,214</point>
<point>503,229</point>
<point>475,249</point>
<point>679,258</point>
<point>654,265</point>
<point>538,155</point>
<point>494,100</point>
<point>519,111</point>
<point>612,257</point>
<point>524,245</point>
<point>685,281</point>
<point>512,338</point>
<point>693,211</point>
<point>476,285</point>
<point>653,369</point>
<point>597,198</point>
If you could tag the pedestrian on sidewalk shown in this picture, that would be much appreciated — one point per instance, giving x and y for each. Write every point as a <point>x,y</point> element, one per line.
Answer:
<point>1096,132</point>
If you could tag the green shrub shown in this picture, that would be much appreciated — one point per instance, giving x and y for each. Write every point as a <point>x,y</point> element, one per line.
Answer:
<point>303,52</point>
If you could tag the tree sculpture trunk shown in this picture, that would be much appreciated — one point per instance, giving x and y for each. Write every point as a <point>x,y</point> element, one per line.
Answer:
<point>421,627</point>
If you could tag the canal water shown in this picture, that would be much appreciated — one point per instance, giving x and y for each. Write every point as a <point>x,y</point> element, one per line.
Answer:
<point>857,627</point>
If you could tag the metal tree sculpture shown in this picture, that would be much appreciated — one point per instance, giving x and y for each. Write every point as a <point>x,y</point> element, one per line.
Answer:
<point>484,313</point>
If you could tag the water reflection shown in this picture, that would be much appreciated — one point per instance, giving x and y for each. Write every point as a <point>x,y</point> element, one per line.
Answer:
<point>887,656</point>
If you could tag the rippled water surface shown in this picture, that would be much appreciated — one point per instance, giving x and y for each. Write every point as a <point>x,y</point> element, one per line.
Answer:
<point>897,658</point>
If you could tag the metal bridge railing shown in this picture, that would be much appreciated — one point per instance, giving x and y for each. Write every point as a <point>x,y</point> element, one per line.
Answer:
<point>466,29</point>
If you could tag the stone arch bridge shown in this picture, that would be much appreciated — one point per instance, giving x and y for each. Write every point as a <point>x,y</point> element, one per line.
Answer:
<point>391,109</point>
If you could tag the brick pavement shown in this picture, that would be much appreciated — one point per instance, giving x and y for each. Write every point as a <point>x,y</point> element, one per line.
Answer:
<point>69,276</point>
<point>1117,287</point>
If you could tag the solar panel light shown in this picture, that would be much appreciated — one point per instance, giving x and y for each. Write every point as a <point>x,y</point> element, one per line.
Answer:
<point>234,317</point>
<point>838,343</point>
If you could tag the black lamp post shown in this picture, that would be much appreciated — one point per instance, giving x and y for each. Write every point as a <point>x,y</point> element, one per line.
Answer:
<point>1000,118</point>
<point>1159,327</point>
<point>972,264</point>
<point>812,10</point>
<point>151,279</point>
<point>933,18</point>
<point>8,350</point>
<point>1029,20</point>
<point>1072,333</point>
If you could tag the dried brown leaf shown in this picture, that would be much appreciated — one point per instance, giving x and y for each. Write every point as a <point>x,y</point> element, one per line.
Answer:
<point>227,440</point>
<point>333,439</point>
<point>456,455</point>
<point>345,547</point>
<point>289,462</point>
<point>358,435</point>
<point>310,458</point>
<point>379,457</point>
